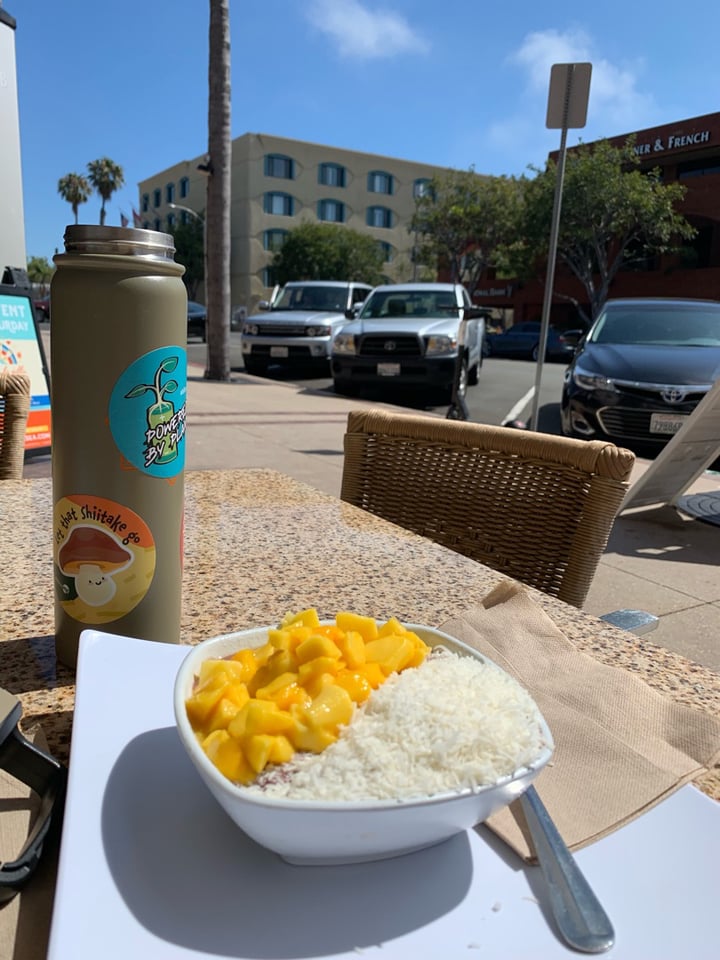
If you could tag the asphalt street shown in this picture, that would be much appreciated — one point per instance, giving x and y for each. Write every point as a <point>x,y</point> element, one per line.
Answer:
<point>505,391</point>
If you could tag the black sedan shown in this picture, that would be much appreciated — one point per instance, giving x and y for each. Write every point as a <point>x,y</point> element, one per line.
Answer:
<point>196,320</point>
<point>522,341</point>
<point>641,371</point>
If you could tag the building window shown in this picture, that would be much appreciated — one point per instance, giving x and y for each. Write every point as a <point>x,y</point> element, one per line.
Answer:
<point>698,168</point>
<point>277,165</point>
<point>156,225</point>
<point>379,217</point>
<point>331,175</point>
<point>386,250</point>
<point>279,204</point>
<point>274,239</point>
<point>268,277</point>
<point>146,225</point>
<point>171,221</point>
<point>421,187</point>
<point>380,182</point>
<point>157,197</point>
<point>331,210</point>
<point>184,187</point>
<point>145,203</point>
<point>170,193</point>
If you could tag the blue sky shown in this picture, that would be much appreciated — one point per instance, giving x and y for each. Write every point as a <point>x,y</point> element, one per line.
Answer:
<point>457,83</point>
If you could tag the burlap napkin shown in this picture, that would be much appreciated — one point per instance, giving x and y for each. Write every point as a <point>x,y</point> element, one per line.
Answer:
<point>25,920</point>
<point>620,746</point>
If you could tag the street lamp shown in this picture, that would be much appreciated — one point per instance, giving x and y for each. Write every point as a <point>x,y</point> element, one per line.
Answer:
<point>193,213</point>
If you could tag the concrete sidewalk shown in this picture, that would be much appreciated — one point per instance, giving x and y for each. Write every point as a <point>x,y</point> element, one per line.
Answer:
<point>657,559</point>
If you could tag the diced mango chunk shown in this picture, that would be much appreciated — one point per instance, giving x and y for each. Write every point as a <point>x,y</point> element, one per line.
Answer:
<point>295,692</point>
<point>392,653</point>
<point>365,626</point>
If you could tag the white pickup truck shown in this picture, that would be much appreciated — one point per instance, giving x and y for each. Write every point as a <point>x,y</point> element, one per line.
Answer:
<point>298,325</point>
<point>411,334</point>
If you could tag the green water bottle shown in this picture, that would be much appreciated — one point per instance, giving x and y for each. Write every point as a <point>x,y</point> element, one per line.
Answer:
<point>118,371</point>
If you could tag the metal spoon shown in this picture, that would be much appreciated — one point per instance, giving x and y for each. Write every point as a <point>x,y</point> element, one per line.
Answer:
<point>580,917</point>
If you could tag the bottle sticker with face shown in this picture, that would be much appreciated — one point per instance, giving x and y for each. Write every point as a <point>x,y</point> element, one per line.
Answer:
<point>104,558</point>
<point>147,412</point>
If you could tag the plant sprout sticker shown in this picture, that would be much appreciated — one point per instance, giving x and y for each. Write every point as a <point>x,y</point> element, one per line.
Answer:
<point>104,558</point>
<point>147,412</point>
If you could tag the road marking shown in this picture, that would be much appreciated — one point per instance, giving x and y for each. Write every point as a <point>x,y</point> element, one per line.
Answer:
<point>515,412</point>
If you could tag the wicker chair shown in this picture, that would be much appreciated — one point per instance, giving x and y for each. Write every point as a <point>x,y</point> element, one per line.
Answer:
<point>535,507</point>
<point>14,409</point>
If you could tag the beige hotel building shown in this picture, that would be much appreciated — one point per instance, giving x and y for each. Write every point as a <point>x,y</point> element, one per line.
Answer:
<point>278,184</point>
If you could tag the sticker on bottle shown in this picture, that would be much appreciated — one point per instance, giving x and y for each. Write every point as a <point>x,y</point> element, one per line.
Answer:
<point>147,412</point>
<point>104,558</point>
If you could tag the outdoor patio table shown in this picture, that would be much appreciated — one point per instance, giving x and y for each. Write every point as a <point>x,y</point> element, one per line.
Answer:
<point>258,544</point>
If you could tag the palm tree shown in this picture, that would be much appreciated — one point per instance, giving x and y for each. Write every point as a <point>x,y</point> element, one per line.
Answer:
<point>75,189</point>
<point>217,246</point>
<point>107,177</point>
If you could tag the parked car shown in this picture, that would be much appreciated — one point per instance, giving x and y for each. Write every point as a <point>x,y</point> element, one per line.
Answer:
<point>643,367</point>
<point>196,320</point>
<point>409,335</point>
<point>299,323</point>
<point>42,309</point>
<point>522,341</point>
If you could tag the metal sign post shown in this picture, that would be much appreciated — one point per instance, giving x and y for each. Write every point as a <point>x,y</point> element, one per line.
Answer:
<point>567,108</point>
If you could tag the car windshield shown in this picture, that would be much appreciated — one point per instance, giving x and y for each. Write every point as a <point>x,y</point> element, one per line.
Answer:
<point>674,325</point>
<point>330,299</point>
<point>394,304</point>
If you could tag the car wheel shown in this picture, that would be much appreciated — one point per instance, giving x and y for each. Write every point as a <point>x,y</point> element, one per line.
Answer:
<point>464,379</point>
<point>254,366</point>
<point>535,352</point>
<point>474,374</point>
<point>462,384</point>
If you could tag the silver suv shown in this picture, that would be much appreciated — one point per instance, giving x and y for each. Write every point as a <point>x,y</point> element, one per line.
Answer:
<point>411,334</point>
<point>300,323</point>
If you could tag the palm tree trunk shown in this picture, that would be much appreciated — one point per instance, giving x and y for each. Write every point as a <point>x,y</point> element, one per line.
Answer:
<point>217,223</point>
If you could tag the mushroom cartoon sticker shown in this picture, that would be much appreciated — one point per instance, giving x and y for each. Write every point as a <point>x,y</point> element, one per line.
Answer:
<point>104,558</point>
<point>147,412</point>
<point>92,557</point>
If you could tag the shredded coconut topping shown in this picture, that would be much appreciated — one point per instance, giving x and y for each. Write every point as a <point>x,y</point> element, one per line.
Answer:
<point>452,723</point>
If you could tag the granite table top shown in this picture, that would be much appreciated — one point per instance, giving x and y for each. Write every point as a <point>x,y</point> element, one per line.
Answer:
<point>258,544</point>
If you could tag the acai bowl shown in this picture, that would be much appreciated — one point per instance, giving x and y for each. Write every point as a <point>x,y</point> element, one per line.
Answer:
<point>436,749</point>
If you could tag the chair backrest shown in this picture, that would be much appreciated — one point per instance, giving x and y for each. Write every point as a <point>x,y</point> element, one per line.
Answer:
<point>14,409</point>
<point>536,507</point>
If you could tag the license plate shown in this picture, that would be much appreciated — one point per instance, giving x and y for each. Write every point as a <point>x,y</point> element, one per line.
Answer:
<point>666,422</point>
<point>278,351</point>
<point>388,369</point>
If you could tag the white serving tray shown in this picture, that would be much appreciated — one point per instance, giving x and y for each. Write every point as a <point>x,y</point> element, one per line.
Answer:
<point>150,865</point>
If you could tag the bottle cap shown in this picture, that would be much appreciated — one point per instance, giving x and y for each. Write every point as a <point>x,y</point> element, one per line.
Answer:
<point>126,241</point>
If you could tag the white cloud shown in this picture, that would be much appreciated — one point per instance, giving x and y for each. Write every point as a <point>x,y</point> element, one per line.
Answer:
<point>616,103</point>
<point>362,34</point>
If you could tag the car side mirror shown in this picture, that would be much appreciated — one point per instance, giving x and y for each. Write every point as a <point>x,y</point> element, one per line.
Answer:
<point>352,312</point>
<point>263,305</point>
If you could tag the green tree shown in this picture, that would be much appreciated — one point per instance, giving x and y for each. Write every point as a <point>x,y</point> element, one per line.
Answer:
<point>467,223</point>
<point>190,252</point>
<point>612,215</point>
<point>217,267</point>
<point>40,270</point>
<point>328,251</point>
<point>106,176</point>
<point>75,189</point>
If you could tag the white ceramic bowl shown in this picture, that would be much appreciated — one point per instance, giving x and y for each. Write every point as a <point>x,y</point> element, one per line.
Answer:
<point>320,832</point>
